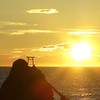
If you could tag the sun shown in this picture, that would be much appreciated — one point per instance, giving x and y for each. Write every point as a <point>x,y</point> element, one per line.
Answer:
<point>81,51</point>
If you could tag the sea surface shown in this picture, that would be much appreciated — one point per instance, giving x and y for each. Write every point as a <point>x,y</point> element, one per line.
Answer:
<point>73,82</point>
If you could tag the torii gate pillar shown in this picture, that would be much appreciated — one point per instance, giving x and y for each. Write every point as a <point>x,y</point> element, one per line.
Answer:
<point>30,60</point>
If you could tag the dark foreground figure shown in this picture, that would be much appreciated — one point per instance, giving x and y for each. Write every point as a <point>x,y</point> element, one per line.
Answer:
<point>25,83</point>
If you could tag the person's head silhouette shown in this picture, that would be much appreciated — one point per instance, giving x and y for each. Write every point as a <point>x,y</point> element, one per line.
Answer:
<point>20,62</point>
<point>19,66</point>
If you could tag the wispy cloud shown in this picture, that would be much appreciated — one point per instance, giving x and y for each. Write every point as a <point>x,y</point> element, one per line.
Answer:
<point>84,31</point>
<point>17,51</point>
<point>48,48</point>
<point>15,57</point>
<point>70,32</point>
<point>21,32</point>
<point>42,11</point>
<point>12,23</point>
<point>20,50</point>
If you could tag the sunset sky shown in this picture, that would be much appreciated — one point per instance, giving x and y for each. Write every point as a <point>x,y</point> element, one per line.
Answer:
<point>54,31</point>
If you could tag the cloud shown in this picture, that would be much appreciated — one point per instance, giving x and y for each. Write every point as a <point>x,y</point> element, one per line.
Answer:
<point>20,50</point>
<point>21,32</point>
<point>48,48</point>
<point>60,46</point>
<point>17,51</point>
<point>63,45</point>
<point>42,11</point>
<point>84,31</point>
<point>15,57</point>
<point>12,23</point>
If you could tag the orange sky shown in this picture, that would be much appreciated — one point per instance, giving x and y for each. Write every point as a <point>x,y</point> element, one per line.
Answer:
<point>48,30</point>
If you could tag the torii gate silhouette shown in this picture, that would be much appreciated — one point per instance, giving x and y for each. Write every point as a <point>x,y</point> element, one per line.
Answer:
<point>30,60</point>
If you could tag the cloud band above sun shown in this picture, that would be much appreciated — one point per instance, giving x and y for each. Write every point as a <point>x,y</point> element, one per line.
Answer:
<point>32,31</point>
<point>42,11</point>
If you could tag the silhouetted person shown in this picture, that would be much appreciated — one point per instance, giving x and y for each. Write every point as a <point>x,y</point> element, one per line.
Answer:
<point>25,83</point>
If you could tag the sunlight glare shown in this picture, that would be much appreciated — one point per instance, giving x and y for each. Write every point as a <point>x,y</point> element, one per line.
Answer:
<point>81,51</point>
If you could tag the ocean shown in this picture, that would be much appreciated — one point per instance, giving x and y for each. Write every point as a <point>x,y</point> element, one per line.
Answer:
<point>75,83</point>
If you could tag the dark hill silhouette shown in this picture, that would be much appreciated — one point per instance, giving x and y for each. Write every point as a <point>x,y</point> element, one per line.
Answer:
<point>27,83</point>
